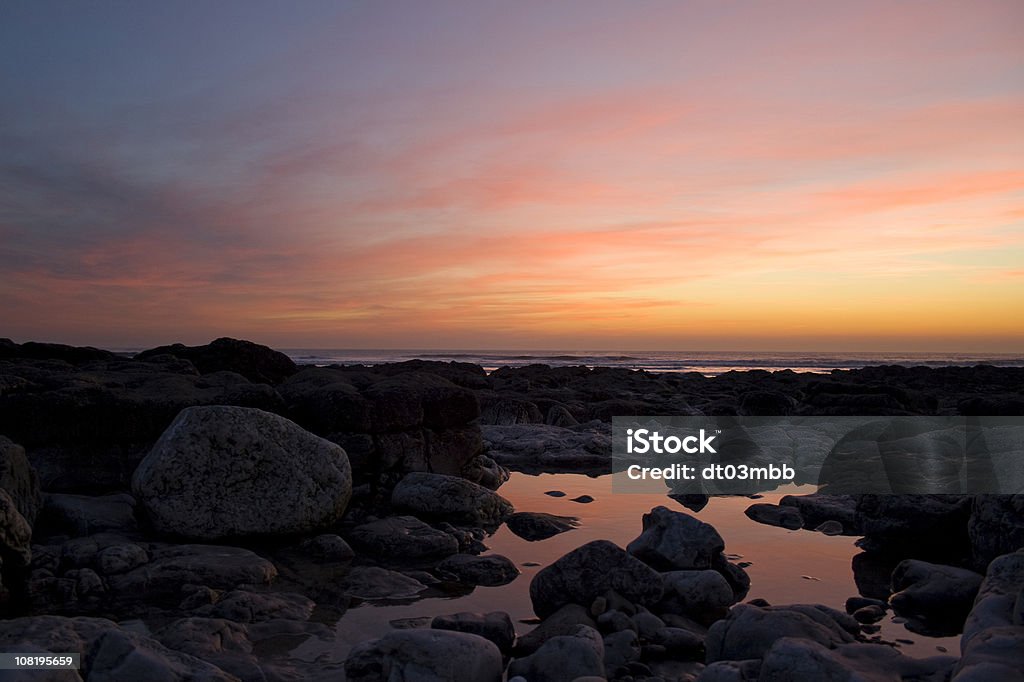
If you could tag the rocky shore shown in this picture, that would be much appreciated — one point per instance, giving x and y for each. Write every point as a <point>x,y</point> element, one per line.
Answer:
<point>197,513</point>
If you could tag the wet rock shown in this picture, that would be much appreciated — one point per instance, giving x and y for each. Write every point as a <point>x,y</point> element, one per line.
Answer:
<point>404,537</point>
<point>426,656</point>
<point>582,499</point>
<point>703,595</point>
<point>940,596</point>
<point>495,626</point>
<point>19,479</point>
<point>869,614</point>
<point>79,515</point>
<point>491,570</point>
<point>565,657</point>
<point>220,472</point>
<point>818,509</point>
<point>449,498</point>
<point>775,515</point>
<point>855,603</point>
<point>830,528</point>
<point>676,541</point>
<point>749,631</point>
<point>562,622</point>
<point>535,526</point>
<point>373,582</point>
<point>588,572</point>
<point>808,659</point>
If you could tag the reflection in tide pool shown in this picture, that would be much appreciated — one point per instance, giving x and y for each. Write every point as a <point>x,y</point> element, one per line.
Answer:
<point>785,566</point>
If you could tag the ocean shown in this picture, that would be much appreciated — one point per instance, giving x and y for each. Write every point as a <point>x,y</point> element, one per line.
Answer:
<point>709,363</point>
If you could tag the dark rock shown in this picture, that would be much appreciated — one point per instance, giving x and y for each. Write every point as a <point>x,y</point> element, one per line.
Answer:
<point>491,570</point>
<point>582,499</point>
<point>495,626</point>
<point>940,596</point>
<point>775,515</point>
<point>535,526</point>
<point>565,657</point>
<point>19,479</point>
<point>425,655</point>
<point>587,573</point>
<point>995,527</point>
<point>73,355</point>
<point>256,363</point>
<point>449,498</point>
<point>676,541</point>
<point>79,515</point>
<point>750,631</point>
<point>404,538</point>
<point>374,582</point>
<point>564,621</point>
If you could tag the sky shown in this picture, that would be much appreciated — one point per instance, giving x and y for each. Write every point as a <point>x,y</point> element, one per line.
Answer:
<point>570,175</point>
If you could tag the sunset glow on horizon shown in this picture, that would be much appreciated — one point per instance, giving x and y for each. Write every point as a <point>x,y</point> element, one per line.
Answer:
<point>598,175</point>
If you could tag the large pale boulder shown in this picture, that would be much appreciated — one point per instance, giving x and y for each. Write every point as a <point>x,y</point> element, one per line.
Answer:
<point>220,472</point>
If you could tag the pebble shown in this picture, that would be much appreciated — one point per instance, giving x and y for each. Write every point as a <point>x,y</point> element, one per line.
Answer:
<point>582,499</point>
<point>555,493</point>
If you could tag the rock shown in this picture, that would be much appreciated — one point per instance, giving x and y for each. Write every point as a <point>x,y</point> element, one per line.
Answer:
<point>789,658</point>
<point>373,582</point>
<point>122,655</point>
<point>220,472</point>
<point>775,515</point>
<point>221,642</point>
<point>680,643</point>
<point>73,355</point>
<point>582,499</point>
<point>621,648</point>
<point>449,498</point>
<point>404,538</point>
<point>536,448</point>
<point>565,657</point>
<point>244,606</point>
<point>749,631</point>
<point>491,570</point>
<point>15,536</point>
<point>995,527</point>
<point>120,558</point>
<point>869,614</point>
<point>564,621</point>
<point>766,403</point>
<point>994,632</point>
<point>255,362</point>
<point>80,515</point>
<point>172,567</point>
<point>703,595</point>
<point>495,626</point>
<point>855,603</point>
<point>910,523</point>
<point>818,509</point>
<point>676,541</point>
<point>504,410</point>
<point>559,416</point>
<point>940,596</point>
<point>19,479</point>
<point>830,528</point>
<point>533,526</point>
<point>328,548</point>
<point>588,572</point>
<point>425,656</point>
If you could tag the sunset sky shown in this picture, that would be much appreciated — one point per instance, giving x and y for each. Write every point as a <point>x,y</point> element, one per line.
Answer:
<point>566,175</point>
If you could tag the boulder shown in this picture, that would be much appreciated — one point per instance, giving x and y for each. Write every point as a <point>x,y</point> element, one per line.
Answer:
<point>542,448</point>
<point>256,363</point>
<point>590,571</point>
<point>564,621</point>
<point>909,523</point>
<point>450,498</point>
<point>374,582</point>
<point>994,632</point>
<point>673,541</point>
<point>171,567</point>
<point>221,472</point>
<point>750,631</point>
<point>792,658</point>
<point>425,656</point>
<point>495,626</point>
<point>490,570</point>
<point>939,597</point>
<point>565,657</point>
<point>533,526</point>
<point>703,595</point>
<point>775,515</point>
<point>221,642</point>
<point>403,538</point>
<point>995,527</point>
<point>19,479</point>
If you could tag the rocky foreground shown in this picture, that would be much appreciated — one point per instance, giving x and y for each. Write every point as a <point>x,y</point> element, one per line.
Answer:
<point>199,512</point>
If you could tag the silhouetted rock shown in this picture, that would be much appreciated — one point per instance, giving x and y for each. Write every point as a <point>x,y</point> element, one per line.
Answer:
<point>495,626</point>
<point>449,498</point>
<point>256,363</point>
<point>938,597</point>
<point>33,350</point>
<point>535,526</point>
